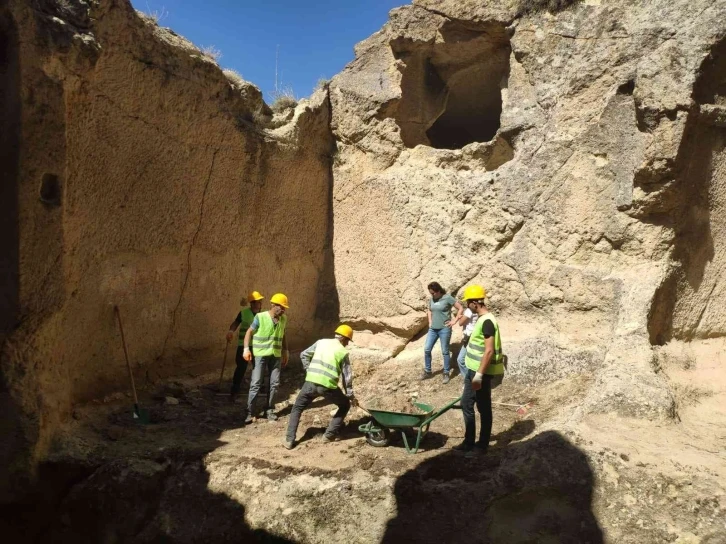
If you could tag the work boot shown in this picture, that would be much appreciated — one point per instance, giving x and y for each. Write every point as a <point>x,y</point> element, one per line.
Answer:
<point>481,447</point>
<point>271,415</point>
<point>248,418</point>
<point>232,397</point>
<point>425,375</point>
<point>464,447</point>
<point>289,444</point>
<point>446,379</point>
<point>328,438</point>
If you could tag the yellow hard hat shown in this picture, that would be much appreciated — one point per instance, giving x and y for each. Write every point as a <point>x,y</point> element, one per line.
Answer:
<point>254,296</point>
<point>345,330</point>
<point>279,298</point>
<point>474,292</point>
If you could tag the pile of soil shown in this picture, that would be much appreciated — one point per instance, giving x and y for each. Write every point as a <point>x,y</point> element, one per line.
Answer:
<point>393,404</point>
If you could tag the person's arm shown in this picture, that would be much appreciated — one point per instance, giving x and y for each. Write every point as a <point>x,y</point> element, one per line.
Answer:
<point>465,318</point>
<point>246,353</point>
<point>428,314</point>
<point>486,359</point>
<point>347,373</point>
<point>233,327</point>
<point>285,352</point>
<point>307,355</point>
<point>459,310</point>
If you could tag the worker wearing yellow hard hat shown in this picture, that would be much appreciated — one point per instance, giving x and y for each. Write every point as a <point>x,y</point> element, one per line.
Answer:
<point>484,365</point>
<point>243,321</point>
<point>266,340</point>
<point>325,362</point>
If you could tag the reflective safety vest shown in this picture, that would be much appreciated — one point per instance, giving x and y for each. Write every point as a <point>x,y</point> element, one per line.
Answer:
<point>267,339</point>
<point>247,318</point>
<point>327,363</point>
<point>476,346</point>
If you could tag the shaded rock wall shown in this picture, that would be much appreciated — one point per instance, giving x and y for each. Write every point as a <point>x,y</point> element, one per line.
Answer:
<point>143,182</point>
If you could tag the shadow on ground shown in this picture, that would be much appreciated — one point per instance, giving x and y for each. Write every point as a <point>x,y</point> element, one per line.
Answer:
<point>538,490</point>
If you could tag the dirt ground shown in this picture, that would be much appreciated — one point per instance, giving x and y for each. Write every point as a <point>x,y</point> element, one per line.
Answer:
<point>196,472</point>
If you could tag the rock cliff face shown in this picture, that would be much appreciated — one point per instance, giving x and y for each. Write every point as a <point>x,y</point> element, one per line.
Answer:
<point>571,163</point>
<point>139,177</point>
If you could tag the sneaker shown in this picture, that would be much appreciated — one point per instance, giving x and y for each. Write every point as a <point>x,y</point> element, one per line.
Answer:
<point>271,415</point>
<point>446,379</point>
<point>289,444</point>
<point>425,375</point>
<point>248,418</point>
<point>464,446</point>
<point>327,439</point>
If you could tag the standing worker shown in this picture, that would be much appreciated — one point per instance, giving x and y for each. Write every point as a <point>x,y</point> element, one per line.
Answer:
<point>325,361</point>
<point>267,334</point>
<point>243,321</point>
<point>440,322</point>
<point>484,363</point>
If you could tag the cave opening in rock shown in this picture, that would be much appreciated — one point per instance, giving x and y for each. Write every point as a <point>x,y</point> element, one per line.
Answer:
<point>451,91</point>
<point>50,189</point>
<point>9,163</point>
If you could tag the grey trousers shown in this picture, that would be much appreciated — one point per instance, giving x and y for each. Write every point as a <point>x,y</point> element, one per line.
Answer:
<point>269,366</point>
<point>309,392</point>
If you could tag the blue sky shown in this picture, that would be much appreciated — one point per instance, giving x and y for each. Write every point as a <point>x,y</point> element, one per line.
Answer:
<point>315,37</point>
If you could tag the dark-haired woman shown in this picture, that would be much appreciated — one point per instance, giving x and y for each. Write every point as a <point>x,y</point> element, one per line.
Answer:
<point>440,322</point>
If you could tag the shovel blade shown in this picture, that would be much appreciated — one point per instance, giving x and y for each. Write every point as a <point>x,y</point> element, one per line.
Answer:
<point>141,416</point>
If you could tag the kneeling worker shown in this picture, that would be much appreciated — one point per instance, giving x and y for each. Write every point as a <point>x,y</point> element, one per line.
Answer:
<point>325,361</point>
<point>484,363</point>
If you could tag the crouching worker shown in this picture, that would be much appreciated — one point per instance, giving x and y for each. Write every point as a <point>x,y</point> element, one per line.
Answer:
<point>325,361</point>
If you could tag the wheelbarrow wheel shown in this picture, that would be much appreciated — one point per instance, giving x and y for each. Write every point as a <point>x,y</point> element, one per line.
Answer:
<point>378,438</point>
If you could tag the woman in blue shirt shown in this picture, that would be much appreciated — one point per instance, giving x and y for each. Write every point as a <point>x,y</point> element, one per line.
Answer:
<point>440,322</point>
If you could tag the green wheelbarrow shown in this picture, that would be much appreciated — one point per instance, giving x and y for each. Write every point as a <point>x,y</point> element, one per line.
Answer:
<point>379,429</point>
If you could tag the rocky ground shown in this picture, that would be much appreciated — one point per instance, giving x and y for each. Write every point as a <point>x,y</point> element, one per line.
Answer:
<point>196,473</point>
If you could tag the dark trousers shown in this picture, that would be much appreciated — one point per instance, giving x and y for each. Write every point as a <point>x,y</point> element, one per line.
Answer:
<point>309,392</point>
<point>239,372</point>
<point>483,400</point>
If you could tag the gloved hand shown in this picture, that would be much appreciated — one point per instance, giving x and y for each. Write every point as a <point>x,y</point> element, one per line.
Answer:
<point>230,335</point>
<point>476,381</point>
<point>353,402</point>
<point>247,355</point>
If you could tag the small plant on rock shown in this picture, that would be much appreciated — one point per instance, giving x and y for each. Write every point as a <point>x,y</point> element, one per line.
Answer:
<point>211,53</point>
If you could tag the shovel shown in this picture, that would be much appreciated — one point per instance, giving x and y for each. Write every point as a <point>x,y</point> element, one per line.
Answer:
<point>140,415</point>
<point>221,374</point>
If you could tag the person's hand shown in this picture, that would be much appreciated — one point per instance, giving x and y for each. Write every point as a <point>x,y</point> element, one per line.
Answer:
<point>247,355</point>
<point>285,358</point>
<point>450,323</point>
<point>230,334</point>
<point>476,381</point>
<point>353,402</point>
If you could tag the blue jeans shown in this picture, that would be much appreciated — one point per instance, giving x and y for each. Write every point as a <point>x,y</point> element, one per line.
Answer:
<point>444,335</point>
<point>460,361</point>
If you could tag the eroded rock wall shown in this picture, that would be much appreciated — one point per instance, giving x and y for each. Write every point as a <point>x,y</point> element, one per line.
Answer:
<point>144,182</point>
<point>572,214</point>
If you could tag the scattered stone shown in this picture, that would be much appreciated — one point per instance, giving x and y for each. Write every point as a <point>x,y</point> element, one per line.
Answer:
<point>624,457</point>
<point>171,400</point>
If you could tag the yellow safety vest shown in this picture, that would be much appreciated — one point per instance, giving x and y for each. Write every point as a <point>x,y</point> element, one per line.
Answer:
<point>247,318</point>
<point>327,363</point>
<point>267,339</point>
<point>476,346</point>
